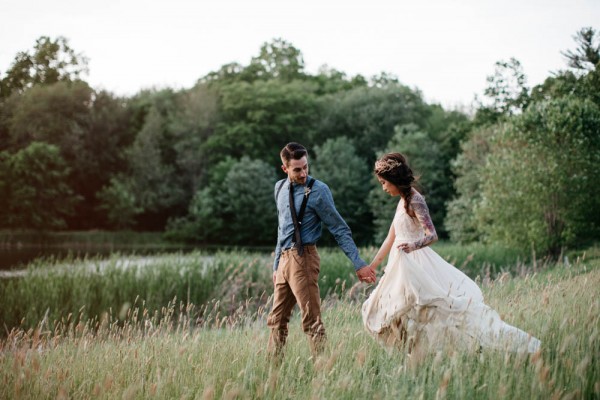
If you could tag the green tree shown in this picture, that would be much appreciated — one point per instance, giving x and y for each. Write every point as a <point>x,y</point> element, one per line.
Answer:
<point>347,174</point>
<point>330,80</point>
<point>194,122</point>
<point>583,81</point>
<point>507,90</point>
<point>204,221</point>
<point>278,59</point>
<point>460,221</point>
<point>90,128</point>
<point>540,183</point>
<point>257,119</point>
<point>155,183</point>
<point>169,158</point>
<point>587,55</point>
<point>37,193</point>
<point>236,207</point>
<point>368,116</point>
<point>51,61</point>
<point>5,180</point>
<point>119,203</point>
<point>53,114</point>
<point>104,134</point>
<point>249,210</point>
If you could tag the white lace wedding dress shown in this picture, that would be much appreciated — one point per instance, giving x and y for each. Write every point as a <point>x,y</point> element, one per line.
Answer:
<point>424,301</point>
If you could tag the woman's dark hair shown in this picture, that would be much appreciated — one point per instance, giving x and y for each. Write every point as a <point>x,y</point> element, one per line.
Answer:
<point>291,151</point>
<point>393,168</point>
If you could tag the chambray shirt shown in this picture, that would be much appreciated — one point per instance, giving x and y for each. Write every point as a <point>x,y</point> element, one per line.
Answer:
<point>319,208</point>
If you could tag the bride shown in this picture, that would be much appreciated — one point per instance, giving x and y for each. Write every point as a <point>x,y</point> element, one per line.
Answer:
<point>421,300</point>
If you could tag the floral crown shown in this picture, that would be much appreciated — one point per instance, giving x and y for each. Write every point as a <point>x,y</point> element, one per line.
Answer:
<point>382,166</point>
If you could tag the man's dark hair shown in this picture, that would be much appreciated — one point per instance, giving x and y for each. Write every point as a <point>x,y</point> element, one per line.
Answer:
<point>294,151</point>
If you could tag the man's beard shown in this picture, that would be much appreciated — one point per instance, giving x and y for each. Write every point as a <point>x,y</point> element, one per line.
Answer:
<point>300,181</point>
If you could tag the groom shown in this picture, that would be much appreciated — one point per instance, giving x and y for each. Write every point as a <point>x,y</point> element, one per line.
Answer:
<point>302,204</point>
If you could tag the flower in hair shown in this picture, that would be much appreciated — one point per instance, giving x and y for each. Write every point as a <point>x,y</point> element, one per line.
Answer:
<point>382,166</point>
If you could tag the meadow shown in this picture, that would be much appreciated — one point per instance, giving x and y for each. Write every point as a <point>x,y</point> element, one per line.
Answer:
<point>194,326</point>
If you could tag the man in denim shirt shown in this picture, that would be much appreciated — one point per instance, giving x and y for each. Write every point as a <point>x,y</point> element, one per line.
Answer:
<point>296,268</point>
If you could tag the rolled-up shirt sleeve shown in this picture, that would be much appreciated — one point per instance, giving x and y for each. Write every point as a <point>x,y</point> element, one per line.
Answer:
<point>337,226</point>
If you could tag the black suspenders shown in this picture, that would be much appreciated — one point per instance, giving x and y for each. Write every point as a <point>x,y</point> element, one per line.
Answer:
<point>297,219</point>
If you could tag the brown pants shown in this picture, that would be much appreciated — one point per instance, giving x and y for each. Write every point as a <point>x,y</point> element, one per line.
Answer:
<point>297,282</point>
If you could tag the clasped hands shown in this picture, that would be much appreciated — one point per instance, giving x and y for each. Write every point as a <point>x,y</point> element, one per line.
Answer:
<point>366,274</point>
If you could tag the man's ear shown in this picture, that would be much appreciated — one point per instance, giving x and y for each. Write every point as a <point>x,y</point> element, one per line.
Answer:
<point>284,168</point>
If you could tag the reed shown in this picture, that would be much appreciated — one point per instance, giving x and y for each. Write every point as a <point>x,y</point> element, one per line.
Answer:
<point>136,353</point>
<point>91,286</point>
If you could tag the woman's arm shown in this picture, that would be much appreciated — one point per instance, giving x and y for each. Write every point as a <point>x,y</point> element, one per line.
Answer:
<point>419,206</point>
<point>384,250</point>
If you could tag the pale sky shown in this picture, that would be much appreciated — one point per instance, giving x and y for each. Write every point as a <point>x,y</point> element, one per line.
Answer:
<point>444,48</point>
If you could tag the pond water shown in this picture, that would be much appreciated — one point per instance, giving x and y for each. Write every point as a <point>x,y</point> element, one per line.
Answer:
<point>18,258</point>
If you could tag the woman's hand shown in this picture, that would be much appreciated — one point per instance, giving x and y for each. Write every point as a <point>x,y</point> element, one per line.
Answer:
<point>373,268</point>
<point>366,274</point>
<point>407,247</point>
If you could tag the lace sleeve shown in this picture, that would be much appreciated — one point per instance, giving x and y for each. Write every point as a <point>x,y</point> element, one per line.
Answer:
<point>419,206</point>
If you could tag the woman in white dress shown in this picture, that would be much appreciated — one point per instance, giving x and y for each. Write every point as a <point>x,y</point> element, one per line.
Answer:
<point>421,300</point>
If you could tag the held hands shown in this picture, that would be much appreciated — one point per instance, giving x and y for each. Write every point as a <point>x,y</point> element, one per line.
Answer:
<point>366,274</point>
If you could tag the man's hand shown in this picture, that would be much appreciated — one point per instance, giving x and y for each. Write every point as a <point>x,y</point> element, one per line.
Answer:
<point>366,274</point>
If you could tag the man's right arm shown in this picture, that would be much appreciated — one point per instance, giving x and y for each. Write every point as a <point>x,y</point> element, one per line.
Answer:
<point>337,226</point>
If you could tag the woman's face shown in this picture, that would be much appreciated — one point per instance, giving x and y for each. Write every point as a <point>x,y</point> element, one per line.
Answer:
<point>388,187</point>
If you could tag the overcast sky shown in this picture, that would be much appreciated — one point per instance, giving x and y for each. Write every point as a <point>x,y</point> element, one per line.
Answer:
<point>445,48</point>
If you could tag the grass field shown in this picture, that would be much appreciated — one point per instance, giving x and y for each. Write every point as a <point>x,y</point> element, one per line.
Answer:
<point>141,350</point>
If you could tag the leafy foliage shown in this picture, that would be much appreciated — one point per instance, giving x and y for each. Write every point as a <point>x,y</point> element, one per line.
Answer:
<point>202,161</point>
<point>237,204</point>
<point>587,55</point>
<point>259,118</point>
<point>506,91</point>
<point>368,116</point>
<point>88,127</point>
<point>37,194</point>
<point>539,185</point>
<point>348,176</point>
<point>461,222</point>
<point>51,61</point>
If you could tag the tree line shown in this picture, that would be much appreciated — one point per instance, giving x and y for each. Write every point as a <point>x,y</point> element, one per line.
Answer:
<point>200,163</point>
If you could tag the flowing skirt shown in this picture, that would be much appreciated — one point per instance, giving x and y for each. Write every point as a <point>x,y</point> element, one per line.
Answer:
<point>421,299</point>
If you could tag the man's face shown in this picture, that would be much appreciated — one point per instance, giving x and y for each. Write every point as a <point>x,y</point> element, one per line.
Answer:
<point>297,170</point>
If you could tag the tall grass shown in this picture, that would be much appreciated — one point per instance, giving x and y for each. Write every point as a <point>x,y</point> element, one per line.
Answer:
<point>90,287</point>
<point>168,354</point>
<point>478,259</point>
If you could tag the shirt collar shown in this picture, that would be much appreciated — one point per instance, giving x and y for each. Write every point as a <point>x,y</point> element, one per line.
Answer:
<point>297,184</point>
